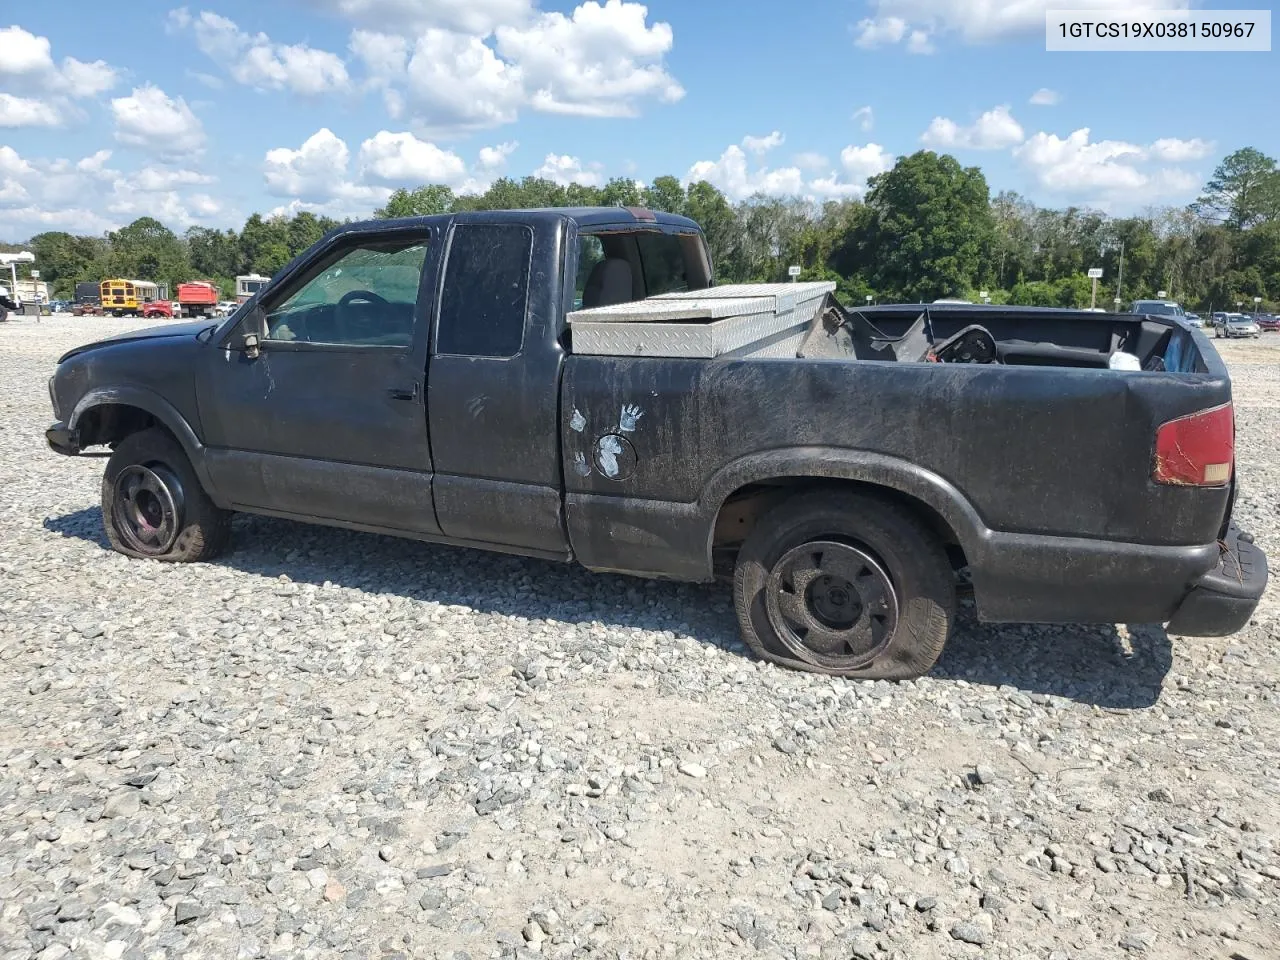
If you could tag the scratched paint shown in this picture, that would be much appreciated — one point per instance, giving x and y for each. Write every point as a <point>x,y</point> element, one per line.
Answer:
<point>577,423</point>
<point>580,465</point>
<point>629,417</point>
<point>608,449</point>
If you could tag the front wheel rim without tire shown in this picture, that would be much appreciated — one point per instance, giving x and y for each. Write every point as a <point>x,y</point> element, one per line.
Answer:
<point>147,508</point>
<point>831,604</point>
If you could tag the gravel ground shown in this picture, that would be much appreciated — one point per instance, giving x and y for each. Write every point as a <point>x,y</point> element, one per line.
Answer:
<point>328,744</point>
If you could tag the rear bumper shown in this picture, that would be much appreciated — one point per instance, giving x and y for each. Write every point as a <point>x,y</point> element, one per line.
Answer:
<point>62,439</point>
<point>1221,601</point>
<point>1206,590</point>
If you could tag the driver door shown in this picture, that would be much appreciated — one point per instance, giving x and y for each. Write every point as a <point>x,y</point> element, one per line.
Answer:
<point>328,422</point>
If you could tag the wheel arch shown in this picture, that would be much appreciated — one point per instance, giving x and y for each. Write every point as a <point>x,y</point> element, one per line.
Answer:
<point>741,491</point>
<point>107,415</point>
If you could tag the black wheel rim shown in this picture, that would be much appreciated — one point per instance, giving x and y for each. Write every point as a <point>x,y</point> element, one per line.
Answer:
<point>831,604</point>
<point>147,508</point>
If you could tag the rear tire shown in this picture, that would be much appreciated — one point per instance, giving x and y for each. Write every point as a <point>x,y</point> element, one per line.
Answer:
<point>153,506</point>
<point>845,584</point>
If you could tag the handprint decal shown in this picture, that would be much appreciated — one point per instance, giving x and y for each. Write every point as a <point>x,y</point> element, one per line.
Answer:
<point>630,415</point>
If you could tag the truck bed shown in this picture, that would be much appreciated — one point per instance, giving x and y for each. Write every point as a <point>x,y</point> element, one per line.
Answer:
<point>1035,468</point>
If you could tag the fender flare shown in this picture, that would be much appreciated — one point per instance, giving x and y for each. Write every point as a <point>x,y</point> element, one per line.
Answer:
<point>160,408</point>
<point>862,466</point>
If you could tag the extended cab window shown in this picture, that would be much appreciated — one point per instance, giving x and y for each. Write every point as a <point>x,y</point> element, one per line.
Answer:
<point>366,297</point>
<point>486,291</point>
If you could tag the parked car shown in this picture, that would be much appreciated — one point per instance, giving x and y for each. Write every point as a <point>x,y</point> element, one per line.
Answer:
<point>1193,320</point>
<point>1232,325</point>
<point>1269,322</point>
<point>423,378</point>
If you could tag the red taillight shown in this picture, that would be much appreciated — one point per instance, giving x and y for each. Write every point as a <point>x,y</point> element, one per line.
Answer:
<point>1197,450</point>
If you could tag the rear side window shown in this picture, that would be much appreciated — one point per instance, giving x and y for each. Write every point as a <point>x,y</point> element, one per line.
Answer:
<point>486,291</point>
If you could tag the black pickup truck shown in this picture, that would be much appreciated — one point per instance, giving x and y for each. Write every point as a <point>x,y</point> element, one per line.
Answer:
<point>418,378</point>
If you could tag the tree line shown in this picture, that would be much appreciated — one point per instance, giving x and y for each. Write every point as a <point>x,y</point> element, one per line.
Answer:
<point>927,228</point>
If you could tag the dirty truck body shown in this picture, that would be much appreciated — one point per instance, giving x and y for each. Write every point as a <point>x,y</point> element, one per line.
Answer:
<point>841,489</point>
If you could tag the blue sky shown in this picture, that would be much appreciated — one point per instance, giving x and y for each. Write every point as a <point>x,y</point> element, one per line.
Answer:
<point>202,114</point>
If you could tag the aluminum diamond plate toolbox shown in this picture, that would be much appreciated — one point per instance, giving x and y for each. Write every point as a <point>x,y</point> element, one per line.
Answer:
<point>688,308</point>
<point>690,340</point>
<point>786,295</point>
<point>744,320</point>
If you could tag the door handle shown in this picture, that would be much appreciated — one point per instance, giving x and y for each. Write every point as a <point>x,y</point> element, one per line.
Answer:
<point>404,393</point>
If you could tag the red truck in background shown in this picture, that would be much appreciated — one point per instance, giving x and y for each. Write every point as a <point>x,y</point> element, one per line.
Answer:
<point>198,298</point>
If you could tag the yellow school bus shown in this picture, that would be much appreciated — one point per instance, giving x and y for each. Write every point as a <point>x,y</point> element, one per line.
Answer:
<point>126,296</point>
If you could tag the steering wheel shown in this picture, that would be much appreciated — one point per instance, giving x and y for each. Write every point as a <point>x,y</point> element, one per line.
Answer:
<point>348,298</point>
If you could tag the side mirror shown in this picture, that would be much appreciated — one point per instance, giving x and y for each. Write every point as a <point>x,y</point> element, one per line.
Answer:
<point>252,346</point>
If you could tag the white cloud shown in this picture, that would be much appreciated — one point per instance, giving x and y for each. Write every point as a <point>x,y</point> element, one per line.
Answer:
<point>455,82</point>
<point>153,179</point>
<point>920,42</point>
<point>875,32</point>
<point>760,145</point>
<point>564,170</point>
<point>918,22</point>
<point>1110,173</point>
<point>880,31</point>
<point>38,92</point>
<point>86,196</point>
<point>811,160</point>
<point>495,158</point>
<point>13,165</point>
<point>863,162</point>
<point>733,174</point>
<point>1173,150</point>
<point>27,112</point>
<point>1044,97</point>
<point>150,119</point>
<point>599,62</point>
<point>313,170</point>
<point>603,60</point>
<point>401,159</point>
<point>994,130</point>
<point>1074,164</point>
<point>23,53</point>
<point>95,163</point>
<point>478,17</point>
<point>865,118</point>
<point>87,79</point>
<point>383,55</point>
<point>255,61</point>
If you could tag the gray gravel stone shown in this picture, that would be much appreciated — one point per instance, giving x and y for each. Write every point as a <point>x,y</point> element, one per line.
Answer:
<point>327,743</point>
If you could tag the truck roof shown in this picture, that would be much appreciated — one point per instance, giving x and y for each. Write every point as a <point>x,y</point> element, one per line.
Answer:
<point>582,216</point>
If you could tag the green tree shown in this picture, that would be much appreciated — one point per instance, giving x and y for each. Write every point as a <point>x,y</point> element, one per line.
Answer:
<point>215,254</point>
<point>264,244</point>
<point>422,202</point>
<point>622,192</point>
<point>931,222</point>
<point>666,194</point>
<point>304,230</point>
<point>1244,189</point>
<point>711,210</point>
<point>148,250</point>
